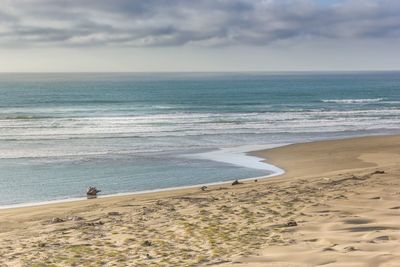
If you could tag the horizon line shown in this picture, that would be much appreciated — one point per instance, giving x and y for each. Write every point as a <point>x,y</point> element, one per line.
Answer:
<point>188,72</point>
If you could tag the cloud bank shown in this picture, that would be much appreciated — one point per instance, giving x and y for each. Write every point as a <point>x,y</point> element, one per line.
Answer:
<point>146,23</point>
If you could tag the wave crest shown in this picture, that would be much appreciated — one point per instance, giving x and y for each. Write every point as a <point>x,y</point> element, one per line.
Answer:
<point>352,101</point>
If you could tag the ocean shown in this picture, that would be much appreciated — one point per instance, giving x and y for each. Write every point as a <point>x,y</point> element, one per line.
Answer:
<point>130,132</point>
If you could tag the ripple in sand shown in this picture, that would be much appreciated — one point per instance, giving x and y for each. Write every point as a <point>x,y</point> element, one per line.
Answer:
<point>370,228</point>
<point>357,221</point>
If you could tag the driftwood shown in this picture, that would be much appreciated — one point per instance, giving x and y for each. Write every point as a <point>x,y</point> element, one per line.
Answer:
<point>92,191</point>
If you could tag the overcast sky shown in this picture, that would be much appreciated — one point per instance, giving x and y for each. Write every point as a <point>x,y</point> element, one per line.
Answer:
<point>201,35</point>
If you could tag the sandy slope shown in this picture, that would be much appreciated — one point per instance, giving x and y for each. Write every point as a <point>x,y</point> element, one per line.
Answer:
<point>347,214</point>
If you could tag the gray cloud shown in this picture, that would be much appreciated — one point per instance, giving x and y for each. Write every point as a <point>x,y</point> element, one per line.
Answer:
<point>182,22</point>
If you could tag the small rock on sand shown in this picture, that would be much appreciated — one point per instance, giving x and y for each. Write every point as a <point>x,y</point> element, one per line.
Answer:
<point>350,248</point>
<point>291,224</point>
<point>146,243</point>
<point>57,220</point>
<point>148,256</point>
<point>236,182</point>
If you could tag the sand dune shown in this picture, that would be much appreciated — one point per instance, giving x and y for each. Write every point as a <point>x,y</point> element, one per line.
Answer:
<point>354,223</point>
<point>337,205</point>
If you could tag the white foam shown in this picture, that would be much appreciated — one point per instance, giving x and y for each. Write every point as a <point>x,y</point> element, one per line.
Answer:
<point>175,125</point>
<point>352,101</point>
<point>239,156</point>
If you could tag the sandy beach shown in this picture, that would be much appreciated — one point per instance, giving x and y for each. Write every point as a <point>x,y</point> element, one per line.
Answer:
<point>338,204</point>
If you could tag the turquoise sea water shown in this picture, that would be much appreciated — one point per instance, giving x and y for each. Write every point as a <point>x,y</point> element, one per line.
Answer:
<point>60,133</point>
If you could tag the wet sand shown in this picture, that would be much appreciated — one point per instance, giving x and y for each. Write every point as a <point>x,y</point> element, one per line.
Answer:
<point>338,204</point>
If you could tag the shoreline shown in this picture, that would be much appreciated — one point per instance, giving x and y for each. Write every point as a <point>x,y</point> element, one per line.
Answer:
<point>257,153</point>
<point>126,194</point>
<point>239,153</point>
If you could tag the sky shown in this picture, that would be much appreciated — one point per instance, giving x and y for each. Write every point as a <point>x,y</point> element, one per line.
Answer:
<point>201,35</point>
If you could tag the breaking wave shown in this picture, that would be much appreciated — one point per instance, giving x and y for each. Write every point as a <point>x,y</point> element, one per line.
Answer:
<point>353,101</point>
